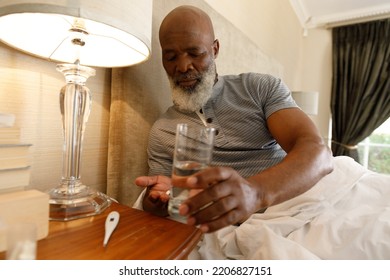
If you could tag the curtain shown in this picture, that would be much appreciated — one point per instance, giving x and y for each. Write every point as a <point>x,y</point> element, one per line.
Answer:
<point>360,100</point>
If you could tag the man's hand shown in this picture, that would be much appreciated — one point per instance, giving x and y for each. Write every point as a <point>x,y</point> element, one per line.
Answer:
<point>157,195</point>
<point>226,199</point>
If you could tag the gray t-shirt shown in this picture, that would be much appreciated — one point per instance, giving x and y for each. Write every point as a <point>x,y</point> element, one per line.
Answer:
<point>238,109</point>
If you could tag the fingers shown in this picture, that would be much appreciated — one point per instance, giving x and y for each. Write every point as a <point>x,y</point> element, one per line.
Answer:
<point>158,187</point>
<point>215,208</point>
<point>227,219</point>
<point>226,199</point>
<point>214,192</point>
<point>219,196</point>
<point>157,182</point>
<point>209,223</point>
<point>145,181</point>
<point>155,196</point>
<point>203,179</point>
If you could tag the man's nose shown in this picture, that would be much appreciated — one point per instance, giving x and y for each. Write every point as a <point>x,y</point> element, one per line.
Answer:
<point>184,64</point>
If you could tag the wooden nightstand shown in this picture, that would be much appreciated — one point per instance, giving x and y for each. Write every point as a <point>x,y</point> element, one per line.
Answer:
<point>138,236</point>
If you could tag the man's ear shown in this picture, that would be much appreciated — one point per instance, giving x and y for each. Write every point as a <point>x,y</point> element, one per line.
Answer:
<point>216,48</point>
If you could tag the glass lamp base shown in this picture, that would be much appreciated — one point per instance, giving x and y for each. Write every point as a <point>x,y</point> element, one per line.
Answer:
<point>71,199</point>
<point>82,202</point>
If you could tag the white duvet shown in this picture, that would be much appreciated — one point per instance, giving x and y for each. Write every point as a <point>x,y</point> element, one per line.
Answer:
<point>344,216</point>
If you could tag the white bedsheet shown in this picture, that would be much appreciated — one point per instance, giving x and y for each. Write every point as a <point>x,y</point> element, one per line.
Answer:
<point>344,216</point>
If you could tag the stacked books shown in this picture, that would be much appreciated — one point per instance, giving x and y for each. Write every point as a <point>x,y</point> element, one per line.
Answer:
<point>14,157</point>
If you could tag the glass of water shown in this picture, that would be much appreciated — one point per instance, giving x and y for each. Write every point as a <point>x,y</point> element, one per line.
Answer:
<point>193,152</point>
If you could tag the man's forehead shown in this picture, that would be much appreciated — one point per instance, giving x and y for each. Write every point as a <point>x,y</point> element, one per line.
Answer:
<point>183,39</point>
<point>190,34</point>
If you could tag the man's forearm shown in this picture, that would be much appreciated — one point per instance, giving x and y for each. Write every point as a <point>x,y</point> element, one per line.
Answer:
<point>296,174</point>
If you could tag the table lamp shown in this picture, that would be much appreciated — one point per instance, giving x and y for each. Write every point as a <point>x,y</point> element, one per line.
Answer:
<point>78,34</point>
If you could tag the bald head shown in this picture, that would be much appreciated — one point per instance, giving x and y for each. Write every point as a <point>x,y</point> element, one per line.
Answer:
<point>188,53</point>
<point>186,21</point>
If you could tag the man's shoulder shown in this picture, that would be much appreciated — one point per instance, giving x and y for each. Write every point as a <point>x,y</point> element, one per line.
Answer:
<point>250,78</point>
<point>169,114</point>
<point>168,120</point>
<point>248,75</point>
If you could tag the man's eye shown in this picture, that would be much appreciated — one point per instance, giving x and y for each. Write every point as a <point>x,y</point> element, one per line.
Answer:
<point>170,57</point>
<point>195,54</point>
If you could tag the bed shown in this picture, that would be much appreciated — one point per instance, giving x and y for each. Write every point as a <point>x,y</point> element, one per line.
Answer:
<point>344,216</point>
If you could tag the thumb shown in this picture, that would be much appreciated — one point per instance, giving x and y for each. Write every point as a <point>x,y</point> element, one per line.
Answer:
<point>145,181</point>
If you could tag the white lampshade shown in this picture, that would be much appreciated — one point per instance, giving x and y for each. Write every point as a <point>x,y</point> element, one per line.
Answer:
<point>113,33</point>
<point>307,101</point>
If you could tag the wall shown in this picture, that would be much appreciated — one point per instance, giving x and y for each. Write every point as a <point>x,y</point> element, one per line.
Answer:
<point>316,74</point>
<point>275,29</point>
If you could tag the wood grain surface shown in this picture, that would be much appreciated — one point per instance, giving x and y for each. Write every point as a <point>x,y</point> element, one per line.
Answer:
<point>138,236</point>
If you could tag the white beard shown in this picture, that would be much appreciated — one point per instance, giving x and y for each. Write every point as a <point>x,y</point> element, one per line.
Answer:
<point>192,100</point>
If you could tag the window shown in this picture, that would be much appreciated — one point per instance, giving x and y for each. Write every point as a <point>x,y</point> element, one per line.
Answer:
<point>374,151</point>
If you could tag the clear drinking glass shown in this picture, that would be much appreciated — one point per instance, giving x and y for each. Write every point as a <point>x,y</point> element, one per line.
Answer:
<point>193,152</point>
